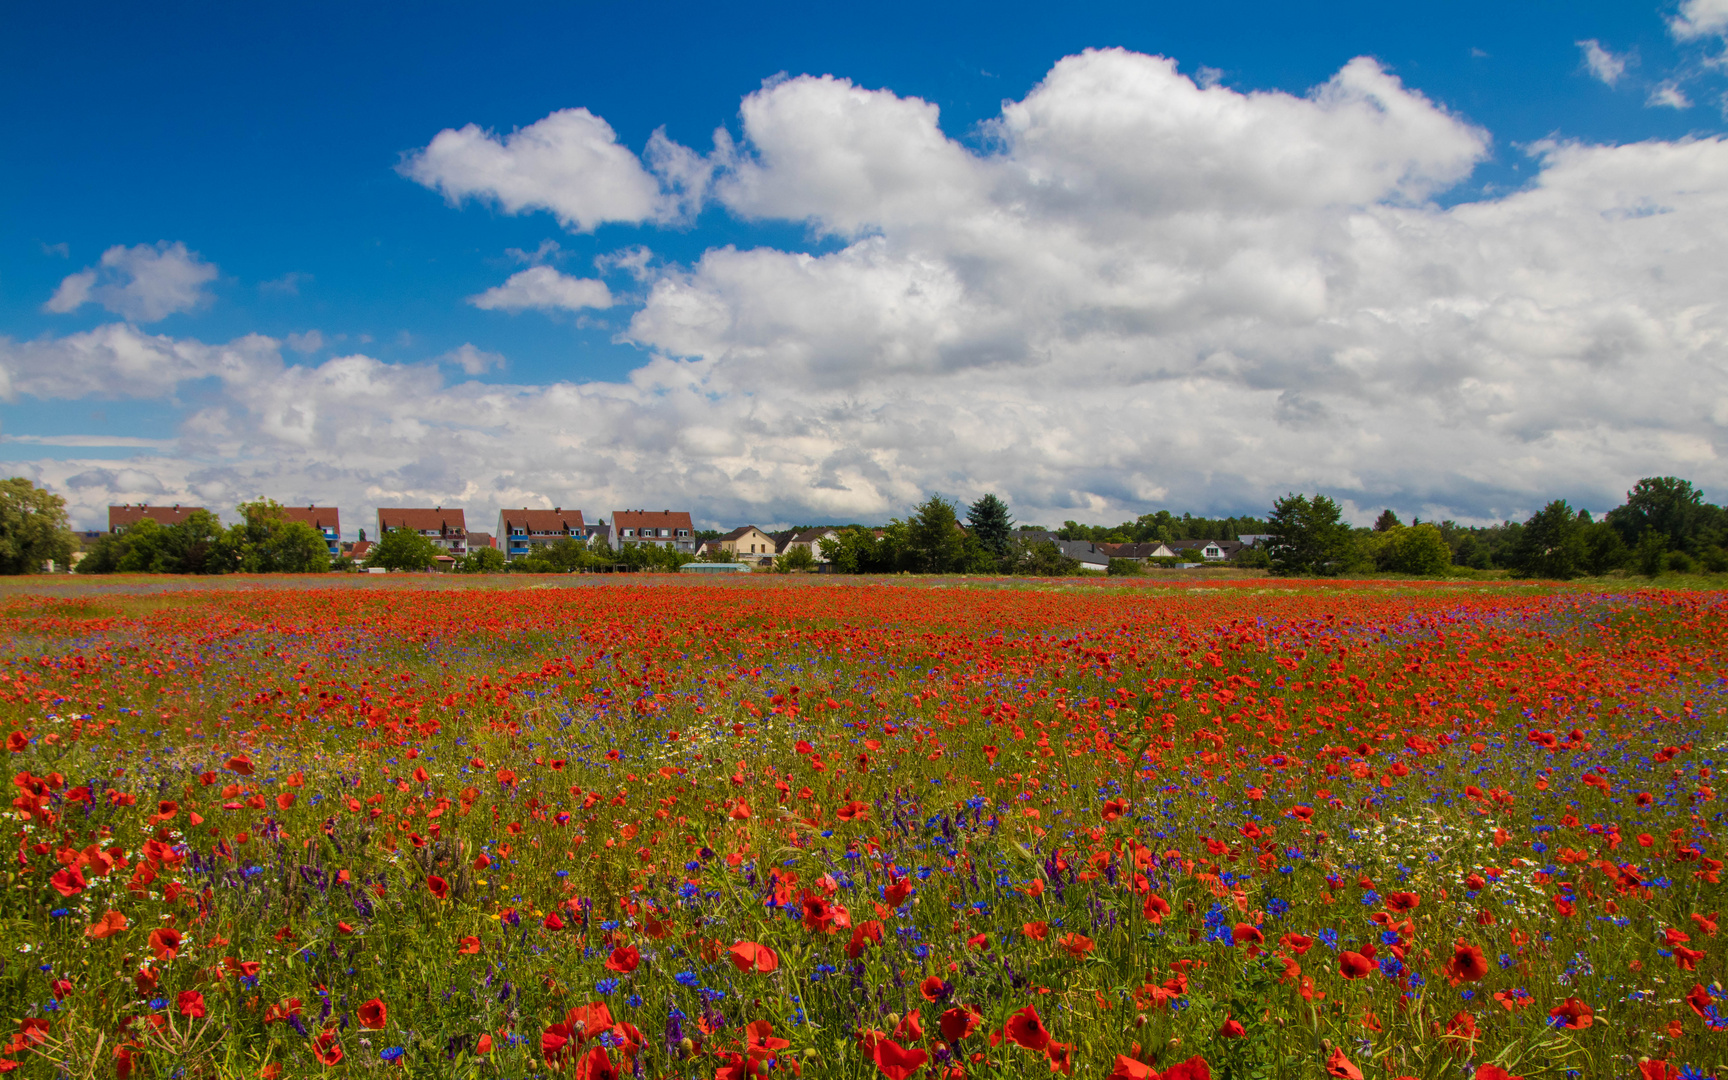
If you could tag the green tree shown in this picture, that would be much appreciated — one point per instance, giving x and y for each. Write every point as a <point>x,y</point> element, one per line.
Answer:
<point>1604,550</point>
<point>991,524</point>
<point>33,527</point>
<point>266,542</point>
<point>1387,521</point>
<point>1309,536</point>
<point>1416,549</point>
<point>402,549</point>
<point>1671,507</point>
<point>1040,558</point>
<point>796,559</point>
<point>481,560</point>
<point>935,544</point>
<point>1651,554</point>
<point>1551,544</point>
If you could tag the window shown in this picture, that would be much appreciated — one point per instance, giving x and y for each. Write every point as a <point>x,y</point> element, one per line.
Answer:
<point>684,533</point>
<point>629,532</point>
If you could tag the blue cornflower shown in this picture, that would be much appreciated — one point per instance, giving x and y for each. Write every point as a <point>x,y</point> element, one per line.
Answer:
<point>390,1053</point>
<point>606,986</point>
<point>687,978</point>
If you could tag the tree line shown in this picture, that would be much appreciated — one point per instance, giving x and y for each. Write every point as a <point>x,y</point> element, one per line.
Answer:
<point>1664,526</point>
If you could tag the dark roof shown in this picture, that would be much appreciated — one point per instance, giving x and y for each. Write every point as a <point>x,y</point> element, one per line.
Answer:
<point>558,520</point>
<point>319,517</point>
<point>1228,547</point>
<point>121,516</point>
<point>437,519</point>
<point>1130,551</point>
<point>480,539</point>
<point>735,534</point>
<point>811,536</point>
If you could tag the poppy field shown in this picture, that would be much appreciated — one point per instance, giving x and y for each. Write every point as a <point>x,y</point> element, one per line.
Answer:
<point>661,828</point>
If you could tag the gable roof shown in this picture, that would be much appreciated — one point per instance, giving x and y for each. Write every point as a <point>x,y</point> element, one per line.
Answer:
<point>480,539</point>
<point>811,536</point>
<point>556,520</point>
<point>121,516</point>
<point>736,533</point>
<point>360,548</point>
<point>651,519</point>
<point>319,517</point>
<point>438,519</point>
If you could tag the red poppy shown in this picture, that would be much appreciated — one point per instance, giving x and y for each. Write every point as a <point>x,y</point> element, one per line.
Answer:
<point>438,887</point>
<point>1246,934</point>
<point>1651,1069</point>
<point>910,1028</point>
<point>1155,908</point>
<point>1129,1069</point>
<point>240,764</point>
<point>597,1066</point>
<point>1059,1056</point>
<point>933,989</point>
<point>1339,1065</point>
<point>894,1061</point>
<point>165,943</point>
<point>1232,1029</point>
<point>748,956</point>
<point>1353,965</point>
<point>1575,1013</point>
<point>1195,1068</point>
<point>326,1049</point>
<point>470,945</point>
<point>957,1023</point>
<point>1075,945</point>
<point>1297,943</point>
<point>1402,901</point>
<point>1115,808</point>
<point>1494,1072</point>
<point>372,1015</point>
<point>624,959</point>
<point>111,923</point>
<point>68,883</point>
<point>1699,999</point>
<point>1687,958</point>
<point>1024,1028</point>
<point>1467,963</point>
<point>190,1003</point>
<point>552,921</point>
<point>759,1040</point>
<point>1037,931</point>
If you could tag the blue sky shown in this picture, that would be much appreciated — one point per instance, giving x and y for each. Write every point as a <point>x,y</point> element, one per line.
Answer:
<point>266,152</point>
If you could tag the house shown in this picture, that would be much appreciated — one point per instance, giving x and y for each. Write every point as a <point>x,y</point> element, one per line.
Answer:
<point>746,543</point>
<point>358,551</point>
<point>525,532</point>
<point>480,540</point>
<point>1137,552</point>
<point>1207,550</point>
<point>324,520</point>
<point>121,518</point>
<point>1090,556</point>
<point>663,528</point>
<point>810,539</point>
<point>448,529</point>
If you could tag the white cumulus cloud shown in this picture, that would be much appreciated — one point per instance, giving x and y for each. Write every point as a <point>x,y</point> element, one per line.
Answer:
<point>545,288</point>
<point>141,283</point>
<point>1136,291</point>
<point>1700,18</point>
<point>570,163</point>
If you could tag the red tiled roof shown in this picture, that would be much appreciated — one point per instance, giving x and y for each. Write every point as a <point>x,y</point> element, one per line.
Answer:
<point>480,539</point>
<point>420,519</point>
<point>319,517</point>
<point>544,521</point>
<point>651,519</point>
<point>122,516</point>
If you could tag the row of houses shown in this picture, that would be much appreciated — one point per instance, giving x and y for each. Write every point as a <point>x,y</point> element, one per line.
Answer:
<point>519,532</point>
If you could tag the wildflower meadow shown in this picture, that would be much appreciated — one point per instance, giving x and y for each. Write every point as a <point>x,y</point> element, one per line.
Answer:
<point>933,828</point>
